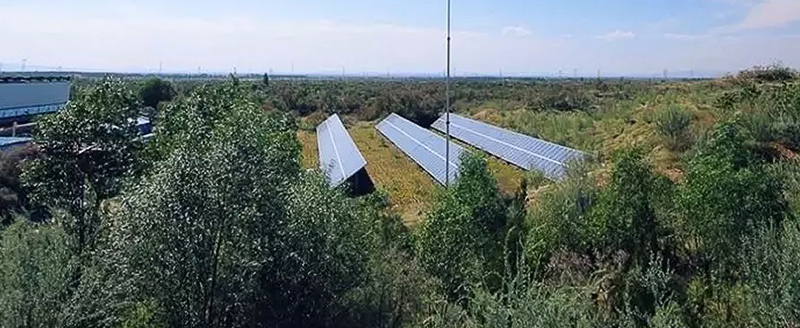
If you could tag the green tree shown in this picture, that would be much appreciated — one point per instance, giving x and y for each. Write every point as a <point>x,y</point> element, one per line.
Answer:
<point>87,150</point>
<point>228,231</point>
<point>155,91</point>
<point>462,236</point>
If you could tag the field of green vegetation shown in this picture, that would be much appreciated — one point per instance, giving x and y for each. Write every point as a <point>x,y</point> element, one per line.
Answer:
<point>686,215</point>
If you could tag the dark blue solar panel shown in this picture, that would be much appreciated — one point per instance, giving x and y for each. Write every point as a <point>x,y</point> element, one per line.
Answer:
<point>339,157</point>
<point>423,146</point>
<point>524,151</point>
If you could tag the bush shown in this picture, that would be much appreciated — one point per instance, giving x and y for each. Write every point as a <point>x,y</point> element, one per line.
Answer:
<point>13,197</point>
<point>772,73</point>
<point>460,240</point>
<point>728,196</point>
<point>673,124</point>
<point>35,275</point>
<point>624,217</point>
<point>560,220</point>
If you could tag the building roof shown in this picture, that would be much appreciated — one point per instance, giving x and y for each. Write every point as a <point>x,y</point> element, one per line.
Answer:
<point>12,141</point>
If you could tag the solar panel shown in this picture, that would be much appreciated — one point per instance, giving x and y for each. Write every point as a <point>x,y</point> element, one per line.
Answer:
<point>524,151</point>
<point>339,157</point>
<point>424,147</point>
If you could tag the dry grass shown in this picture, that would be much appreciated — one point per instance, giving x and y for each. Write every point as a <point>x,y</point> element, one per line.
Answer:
<point>411,191</point>
<point>310,154</point>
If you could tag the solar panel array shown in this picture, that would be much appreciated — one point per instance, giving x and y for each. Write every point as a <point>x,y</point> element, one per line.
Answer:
<point>339,157</point>
<point>424,147</point>
<point>524,151</point>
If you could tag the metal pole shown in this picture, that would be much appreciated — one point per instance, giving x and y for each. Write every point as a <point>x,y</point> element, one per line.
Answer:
<point>447,103</point>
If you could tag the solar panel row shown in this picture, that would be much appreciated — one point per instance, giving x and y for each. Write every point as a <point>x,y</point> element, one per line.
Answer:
<point>425,147</point>
<point>339,157</point>
<point>524,151</point>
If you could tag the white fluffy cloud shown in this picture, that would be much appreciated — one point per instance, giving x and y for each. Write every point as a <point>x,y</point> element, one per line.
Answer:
<point>686,37</point>
<point>517,31</point>
<point>617,35</point>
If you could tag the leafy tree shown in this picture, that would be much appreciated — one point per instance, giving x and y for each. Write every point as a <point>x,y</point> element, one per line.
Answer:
<point>86,152</point>
<point>227,230</point>
<point>155,91</point>
<point>35,275</point>
<point>462,235</point>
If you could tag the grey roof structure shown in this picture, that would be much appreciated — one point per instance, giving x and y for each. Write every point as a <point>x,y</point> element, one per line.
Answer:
<point>6,142</point>
<point>339,157</point>
<point>524,151</point>
<point>424,147</point>
<point>32,98</point>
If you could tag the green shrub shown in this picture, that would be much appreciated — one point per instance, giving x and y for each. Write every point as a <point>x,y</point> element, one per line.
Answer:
<point>624,217</point>
<point>673,124</point>
<point>13,197</point>
<point>459,242</point>
<point>560,220</point>
<point>728,196</point>
<point>36,272</point>
<point>772,73</point>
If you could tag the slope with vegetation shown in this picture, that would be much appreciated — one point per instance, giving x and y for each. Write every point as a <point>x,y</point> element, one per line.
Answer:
<point>687,217</point>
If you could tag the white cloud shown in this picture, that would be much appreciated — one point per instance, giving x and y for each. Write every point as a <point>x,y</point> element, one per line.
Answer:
<point>616,35</point>
<point>517,31</point>
<point>772,13</point>
<point>685,37</point>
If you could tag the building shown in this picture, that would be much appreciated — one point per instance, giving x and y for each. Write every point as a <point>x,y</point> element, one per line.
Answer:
<point>7,143</point>
<point>22,98</point>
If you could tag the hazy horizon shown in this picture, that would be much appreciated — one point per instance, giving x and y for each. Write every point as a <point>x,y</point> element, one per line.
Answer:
<point>400,38</point>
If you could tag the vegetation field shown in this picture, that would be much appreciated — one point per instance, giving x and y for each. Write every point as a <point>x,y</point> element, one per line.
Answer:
<point>685,215</point>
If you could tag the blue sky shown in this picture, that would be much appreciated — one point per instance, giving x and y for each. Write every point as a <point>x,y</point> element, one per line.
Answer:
<point>534,37</point>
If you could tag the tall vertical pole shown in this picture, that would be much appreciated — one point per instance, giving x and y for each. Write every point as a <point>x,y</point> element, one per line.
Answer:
<point>447,103</point>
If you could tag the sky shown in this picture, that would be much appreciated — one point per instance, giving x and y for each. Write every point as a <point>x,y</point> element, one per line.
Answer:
<point>509,37</point>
